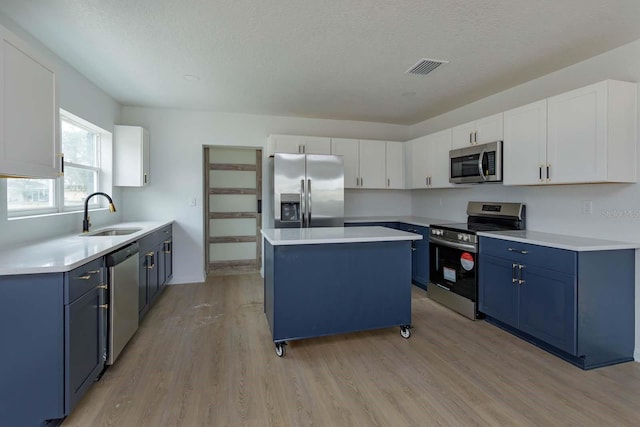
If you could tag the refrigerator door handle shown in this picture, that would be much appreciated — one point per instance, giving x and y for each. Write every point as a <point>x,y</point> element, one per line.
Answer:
<point>303,204</point>
<point>309,203</point>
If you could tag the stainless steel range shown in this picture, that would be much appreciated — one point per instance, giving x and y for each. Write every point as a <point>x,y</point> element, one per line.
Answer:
<point>453,253</point>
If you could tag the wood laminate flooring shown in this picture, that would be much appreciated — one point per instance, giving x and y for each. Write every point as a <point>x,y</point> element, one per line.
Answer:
<point>203,356</point>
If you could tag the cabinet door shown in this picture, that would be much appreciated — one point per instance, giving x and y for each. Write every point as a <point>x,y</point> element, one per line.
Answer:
<point>286,144</point>
<point>489,129</point>
<point>547,309</point>
<point>146,158</point>
<point>576,146</point>
<point>168,259</point>
<point>497,292</point>
<point>439,145</point>
<point>372,164</point>
<point>525,144</point>
<point>131,156</point>
<point>29,128</point>
<point>420,257</point>
<point>419,154</point>
<point>462,135</point>
<point>143,281</point>
<point>84,344</point>
<point>152,267</point>
<point>395,165</point>
<point>348,149</point>
<point>316,145</point>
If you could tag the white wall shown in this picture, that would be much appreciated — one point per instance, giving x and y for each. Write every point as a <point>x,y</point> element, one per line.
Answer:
<point>177,138</point>
<point>557,209</point>
<point>79,96</point>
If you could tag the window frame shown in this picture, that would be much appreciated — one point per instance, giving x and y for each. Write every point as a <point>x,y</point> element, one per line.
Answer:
<point>94,203</point>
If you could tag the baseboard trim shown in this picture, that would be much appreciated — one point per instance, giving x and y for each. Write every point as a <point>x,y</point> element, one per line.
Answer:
<point>181,280</point>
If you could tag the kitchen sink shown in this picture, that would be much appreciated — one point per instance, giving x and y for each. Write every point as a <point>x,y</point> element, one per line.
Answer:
<point>112,232</point>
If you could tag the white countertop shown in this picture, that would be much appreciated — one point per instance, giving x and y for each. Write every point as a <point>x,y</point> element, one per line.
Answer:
<point>323,235</point>
<point>560,241</point>
<point>68,252</point>
<point>414,220</point>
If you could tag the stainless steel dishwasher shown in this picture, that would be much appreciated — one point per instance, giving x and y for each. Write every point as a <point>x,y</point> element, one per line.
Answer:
<point>123,298</point>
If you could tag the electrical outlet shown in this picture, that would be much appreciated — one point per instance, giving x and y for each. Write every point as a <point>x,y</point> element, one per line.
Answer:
<point>587,207</point>
<point>193,202</point>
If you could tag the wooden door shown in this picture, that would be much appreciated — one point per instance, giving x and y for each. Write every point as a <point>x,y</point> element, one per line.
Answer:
<point>234,184</point>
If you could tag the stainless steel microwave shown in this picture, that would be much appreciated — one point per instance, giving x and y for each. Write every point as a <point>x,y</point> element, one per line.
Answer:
<point>478,163</point>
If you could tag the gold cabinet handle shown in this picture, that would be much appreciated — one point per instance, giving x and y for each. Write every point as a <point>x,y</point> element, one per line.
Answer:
<point>152,255</point>
<point>104,306</point>
<point>102,287</point>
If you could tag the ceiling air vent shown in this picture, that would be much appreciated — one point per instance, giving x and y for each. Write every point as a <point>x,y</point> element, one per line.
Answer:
<point>425,66</point>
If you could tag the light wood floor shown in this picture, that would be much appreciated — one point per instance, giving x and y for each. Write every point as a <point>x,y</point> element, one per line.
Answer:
<point>203,357</point>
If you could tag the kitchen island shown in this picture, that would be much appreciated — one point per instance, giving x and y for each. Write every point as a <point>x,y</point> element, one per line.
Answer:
<point>332,280</point>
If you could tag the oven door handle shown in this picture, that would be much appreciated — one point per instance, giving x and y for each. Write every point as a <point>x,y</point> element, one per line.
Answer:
<point>462,246</point>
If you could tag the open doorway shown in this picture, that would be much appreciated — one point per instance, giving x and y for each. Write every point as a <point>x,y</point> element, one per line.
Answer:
<point>233,202</point>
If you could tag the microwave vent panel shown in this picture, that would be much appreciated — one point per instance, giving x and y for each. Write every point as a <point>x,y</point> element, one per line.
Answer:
<point>425,66</point>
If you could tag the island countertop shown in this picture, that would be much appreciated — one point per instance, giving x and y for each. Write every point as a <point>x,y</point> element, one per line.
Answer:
<point>324,235</point>
<point>68,252</point>
<point>559,241</point>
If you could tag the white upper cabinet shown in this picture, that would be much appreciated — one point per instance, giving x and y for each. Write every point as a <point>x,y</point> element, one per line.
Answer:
<point>418,155</point>
<point>294,144</point>
<point>364,162</point>
<point>131,157</point>
<point>587,135</point>
<point>395,165</point>
<point>591,134</point>
<point>439,145</point>
<point>480,131</point>
<point>348,149</point>
<point>430,160</point>
<point>525,144</point>
<point>373,164</point>
<point>29,125</point>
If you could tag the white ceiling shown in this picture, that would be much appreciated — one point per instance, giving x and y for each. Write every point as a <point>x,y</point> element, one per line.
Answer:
<point>342,59</point>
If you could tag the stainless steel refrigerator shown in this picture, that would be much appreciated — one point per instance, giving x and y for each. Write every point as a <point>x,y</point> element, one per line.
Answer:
<point>308,190</point>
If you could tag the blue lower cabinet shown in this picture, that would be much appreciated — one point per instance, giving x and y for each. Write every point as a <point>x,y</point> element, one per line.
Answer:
<point>420,256</point>
<point>419,248</point>
<point>547,308</point>
<point>498,295</point>
<point>54,342</point>
<point>563,301</point>
<point>156,267</point>
<point>84,345</point>
<point>326,289</point>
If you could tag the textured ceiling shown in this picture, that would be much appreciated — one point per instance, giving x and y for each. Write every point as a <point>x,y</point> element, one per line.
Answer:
<point>328,59</point>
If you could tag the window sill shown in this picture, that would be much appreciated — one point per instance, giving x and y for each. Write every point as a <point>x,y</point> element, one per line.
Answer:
<point>54,214</point>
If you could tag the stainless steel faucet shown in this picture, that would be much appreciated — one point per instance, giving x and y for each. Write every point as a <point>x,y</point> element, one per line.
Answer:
<point>85,221</point>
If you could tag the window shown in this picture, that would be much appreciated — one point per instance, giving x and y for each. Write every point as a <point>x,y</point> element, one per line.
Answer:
<point>83,145</point>
<point>81,148</point>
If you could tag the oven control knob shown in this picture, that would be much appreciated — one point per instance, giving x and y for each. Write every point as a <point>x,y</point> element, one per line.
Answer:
<point>459,236</point>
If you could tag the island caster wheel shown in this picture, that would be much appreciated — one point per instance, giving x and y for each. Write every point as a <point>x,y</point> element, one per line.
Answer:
<point>280,349</point>
<point>405,331</point>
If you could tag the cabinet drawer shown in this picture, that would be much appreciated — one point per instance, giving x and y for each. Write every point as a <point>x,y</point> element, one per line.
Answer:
<point>150,241</point>
<point>79,281</point>
<point>554,259</point>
